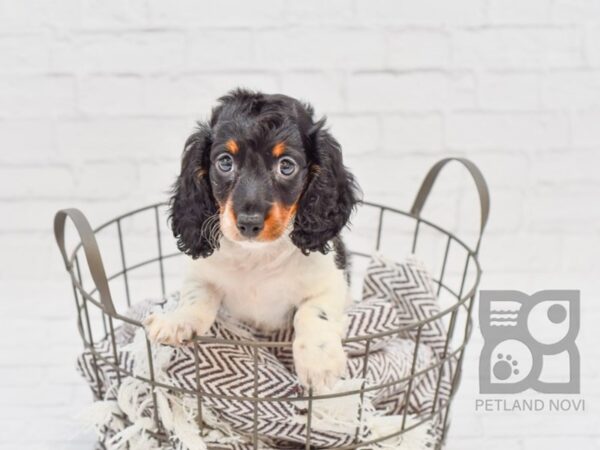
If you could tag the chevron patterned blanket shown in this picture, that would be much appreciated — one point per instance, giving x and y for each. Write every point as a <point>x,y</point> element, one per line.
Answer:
<point>395,295</point>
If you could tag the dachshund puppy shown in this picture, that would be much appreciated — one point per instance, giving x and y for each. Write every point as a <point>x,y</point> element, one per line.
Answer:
<point>261,199</point>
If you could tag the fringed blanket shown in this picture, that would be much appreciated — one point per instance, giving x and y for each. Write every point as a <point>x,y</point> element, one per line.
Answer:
<point>395,295</point>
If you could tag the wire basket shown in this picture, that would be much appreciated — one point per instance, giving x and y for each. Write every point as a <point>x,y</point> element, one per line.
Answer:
<point>101,295</point>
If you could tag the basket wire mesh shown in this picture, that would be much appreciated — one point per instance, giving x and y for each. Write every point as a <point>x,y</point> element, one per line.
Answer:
<point>95,300</point>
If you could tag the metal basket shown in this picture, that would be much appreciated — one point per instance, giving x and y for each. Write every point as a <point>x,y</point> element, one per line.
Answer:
<point>97,295</point>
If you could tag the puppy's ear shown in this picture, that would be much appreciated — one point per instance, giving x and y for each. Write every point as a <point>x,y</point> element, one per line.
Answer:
<point>192,203</point>
<point>329,197</point>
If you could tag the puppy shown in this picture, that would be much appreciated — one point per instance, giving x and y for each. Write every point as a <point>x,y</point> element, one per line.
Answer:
<point>261,199</point>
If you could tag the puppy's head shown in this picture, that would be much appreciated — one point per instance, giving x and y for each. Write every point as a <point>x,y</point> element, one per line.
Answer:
<point>261,168</point>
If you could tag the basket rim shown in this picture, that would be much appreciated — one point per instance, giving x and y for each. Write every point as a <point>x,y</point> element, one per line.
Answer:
<point>369,204</point>
<point>461,298</point>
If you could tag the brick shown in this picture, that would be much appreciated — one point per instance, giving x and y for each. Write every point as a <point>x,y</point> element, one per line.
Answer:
<point>33,15</point>
<point>586,132</point>
<point>510,91</point>
<point>35,182</point>
<point>123,138</point>
<point>551,426</point>
<point>226,13</point>
<point>571,89</point>
<point>324,91</point>
<point>507,214</point>
<point>155,180</point>
<point>195,95</point>
<point>19,377</point>
<point>469,443</point>
<point>506,131</point>
<point>427,12</point>
<point>338,12</point>
<point>577,257</point>
<point>518,48</point>
<point>34,97</point>
<point>567,168</point>
<point>27,53</point>
<point>503,169</point>
<point>18,262</point>
<point>468,425</point>
<point>391,178</point>
<point>220,50</point>
<point>320,49</point>
<point>413,132</point>
<point>356,134</point>
<point>575,11</point>
<point>24,296</point>
<point>31,215</point>
<point>581,443</point>
<point>112,95</point>
<point>113,13</point>
<point>556,210</point>
<point>462,91</point>
<point>105,180</point>
<point>397,92</point>
<point>591,46</point>
<point>63,54</point>
<point>418,49</point>
<point>536,253</point>
<point>516,12</point>
<point>30,141</point>
<point>132,52</point>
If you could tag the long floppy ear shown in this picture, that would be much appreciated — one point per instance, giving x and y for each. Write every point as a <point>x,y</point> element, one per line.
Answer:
<point>329,198</point>
<point>192,203</point>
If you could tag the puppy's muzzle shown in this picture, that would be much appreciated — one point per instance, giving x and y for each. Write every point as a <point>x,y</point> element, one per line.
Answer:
<point>250,225</point>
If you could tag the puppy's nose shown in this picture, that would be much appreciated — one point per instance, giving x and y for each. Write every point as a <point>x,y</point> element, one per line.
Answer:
<point>250,224</point>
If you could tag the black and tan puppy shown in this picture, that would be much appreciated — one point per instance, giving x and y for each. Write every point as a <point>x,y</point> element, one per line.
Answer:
<point>261,199</point>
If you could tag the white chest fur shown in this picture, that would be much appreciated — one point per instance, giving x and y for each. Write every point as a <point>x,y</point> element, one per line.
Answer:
<point>262,284</point>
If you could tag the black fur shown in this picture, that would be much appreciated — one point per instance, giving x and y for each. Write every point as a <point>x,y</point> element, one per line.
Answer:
<point>341,254</point>
<point>192,202</point>
<point>330,195</point>
<point>324,191</point>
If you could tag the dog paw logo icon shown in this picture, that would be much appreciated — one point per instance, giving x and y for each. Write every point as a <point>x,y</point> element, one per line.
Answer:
<point>528,340</point>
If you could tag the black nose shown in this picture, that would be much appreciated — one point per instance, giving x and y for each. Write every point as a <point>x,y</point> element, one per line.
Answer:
<point>250,224</point>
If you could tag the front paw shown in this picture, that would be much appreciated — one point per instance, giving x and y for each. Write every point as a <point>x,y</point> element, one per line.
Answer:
<point>174,327</point>
<point>319,360</point>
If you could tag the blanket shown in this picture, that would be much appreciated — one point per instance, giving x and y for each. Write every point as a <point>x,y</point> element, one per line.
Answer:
<point>395,296</point>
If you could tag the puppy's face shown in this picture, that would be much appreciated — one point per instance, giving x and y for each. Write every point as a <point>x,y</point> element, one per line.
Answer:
<point>257,178</point>
<point>260,169</point>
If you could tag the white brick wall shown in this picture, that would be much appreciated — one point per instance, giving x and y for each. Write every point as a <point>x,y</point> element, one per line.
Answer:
<point>97,98</point>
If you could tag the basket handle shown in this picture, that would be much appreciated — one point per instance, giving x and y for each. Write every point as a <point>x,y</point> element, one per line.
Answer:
<point>480,184</point>
<point>91,250</point>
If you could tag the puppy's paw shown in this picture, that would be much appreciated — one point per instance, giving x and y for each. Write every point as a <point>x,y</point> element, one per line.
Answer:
<point>319,360</point>
<point>175,327</point>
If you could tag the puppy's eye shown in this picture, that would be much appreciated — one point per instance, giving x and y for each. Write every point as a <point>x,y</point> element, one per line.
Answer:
<point>225,163</point>
<point>287,166</point>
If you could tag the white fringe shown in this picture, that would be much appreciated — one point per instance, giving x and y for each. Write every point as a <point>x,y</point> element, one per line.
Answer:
<point>342,414</point>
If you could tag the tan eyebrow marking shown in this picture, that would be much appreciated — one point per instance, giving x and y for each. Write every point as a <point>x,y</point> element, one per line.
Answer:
<point>232,146</point>
<point>278,149</point>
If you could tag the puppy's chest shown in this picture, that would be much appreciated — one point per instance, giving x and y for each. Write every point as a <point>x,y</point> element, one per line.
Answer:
<point>265,298</point>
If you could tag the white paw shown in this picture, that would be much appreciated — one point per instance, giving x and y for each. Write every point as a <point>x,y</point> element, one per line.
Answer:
<point>319,360</point>
<point>175,327</point>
